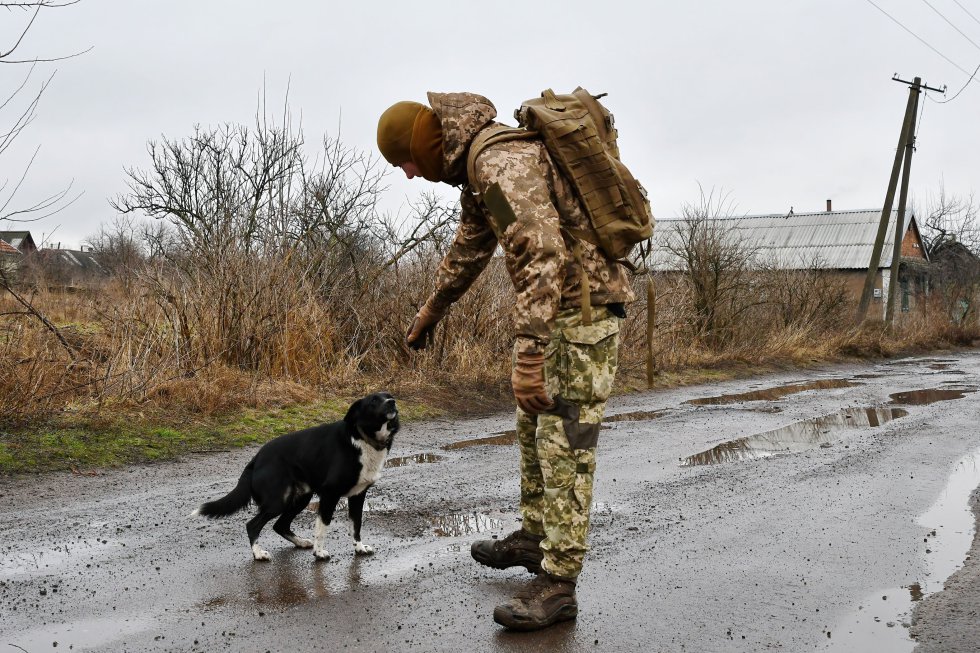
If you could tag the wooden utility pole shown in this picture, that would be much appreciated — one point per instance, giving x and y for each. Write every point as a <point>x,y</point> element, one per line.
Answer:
<point>903,163</point>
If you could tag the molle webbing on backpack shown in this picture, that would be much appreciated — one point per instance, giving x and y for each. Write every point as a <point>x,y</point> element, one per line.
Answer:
<point>579,135</point>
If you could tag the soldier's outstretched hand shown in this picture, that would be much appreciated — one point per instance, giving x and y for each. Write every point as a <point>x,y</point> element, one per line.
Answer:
<point>422,326</point>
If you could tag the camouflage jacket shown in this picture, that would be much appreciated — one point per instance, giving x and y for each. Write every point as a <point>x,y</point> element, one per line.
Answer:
<point>537,252</point>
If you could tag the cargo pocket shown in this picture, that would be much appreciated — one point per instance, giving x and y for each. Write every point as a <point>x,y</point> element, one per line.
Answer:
<point>589,356</point>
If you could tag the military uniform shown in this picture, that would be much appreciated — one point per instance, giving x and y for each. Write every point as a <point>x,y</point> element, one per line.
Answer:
<point>557,448</point>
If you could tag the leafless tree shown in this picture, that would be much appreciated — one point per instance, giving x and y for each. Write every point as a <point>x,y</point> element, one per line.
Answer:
<point>947,217</point>
<point>257,221</point>
<point>951,235</point>
<point>716,263</point>
<point>16,115</point>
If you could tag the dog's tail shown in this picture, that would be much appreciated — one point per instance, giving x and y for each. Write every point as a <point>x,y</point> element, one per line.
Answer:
<point>231,502</point>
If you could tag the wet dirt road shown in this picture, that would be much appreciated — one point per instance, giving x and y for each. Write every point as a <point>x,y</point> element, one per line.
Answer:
<point>813,513</point>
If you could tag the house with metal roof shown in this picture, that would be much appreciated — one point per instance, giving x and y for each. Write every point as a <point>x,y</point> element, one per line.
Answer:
<point>841,241</point>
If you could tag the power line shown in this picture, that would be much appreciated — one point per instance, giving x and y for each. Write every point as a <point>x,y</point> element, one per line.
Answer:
<point>919,38</point>
<point>977,70</point>
<point>950,23</point>
<point>968,12</point>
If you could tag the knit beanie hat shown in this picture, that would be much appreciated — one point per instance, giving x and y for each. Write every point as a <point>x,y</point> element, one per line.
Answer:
<point>409,131</point>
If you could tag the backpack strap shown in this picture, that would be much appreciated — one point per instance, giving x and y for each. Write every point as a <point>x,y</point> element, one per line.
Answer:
<point>491,136</point>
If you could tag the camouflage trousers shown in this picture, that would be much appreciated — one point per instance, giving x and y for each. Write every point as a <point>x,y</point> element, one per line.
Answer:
<point>558,448</point>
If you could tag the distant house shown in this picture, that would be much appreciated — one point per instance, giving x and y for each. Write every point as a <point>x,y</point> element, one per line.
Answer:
<point>955,276</point>
<point>10,257</point>
<point>840,241</point>
<point>20,240</point>
<point>71,267</point>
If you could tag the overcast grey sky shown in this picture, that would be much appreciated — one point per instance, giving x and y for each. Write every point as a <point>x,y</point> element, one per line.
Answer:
<point>779,102</point>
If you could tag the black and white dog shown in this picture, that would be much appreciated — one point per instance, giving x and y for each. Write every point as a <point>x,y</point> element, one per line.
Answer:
<point>342,459</point>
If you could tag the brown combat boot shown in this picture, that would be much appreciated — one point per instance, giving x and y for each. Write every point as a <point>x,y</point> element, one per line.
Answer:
<point>545,601</point>
<point>519,549</point>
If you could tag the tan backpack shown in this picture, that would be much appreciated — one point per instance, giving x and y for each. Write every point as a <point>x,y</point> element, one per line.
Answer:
<point>578,132</point>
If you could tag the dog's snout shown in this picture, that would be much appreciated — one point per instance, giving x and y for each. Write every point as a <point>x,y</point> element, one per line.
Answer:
<point>389,408</point>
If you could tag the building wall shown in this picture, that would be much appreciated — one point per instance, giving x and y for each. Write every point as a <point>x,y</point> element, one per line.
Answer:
<point>911,246</point>
<point>854,282</point>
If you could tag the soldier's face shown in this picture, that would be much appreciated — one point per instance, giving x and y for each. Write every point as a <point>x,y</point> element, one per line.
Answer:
<point>411,170</point>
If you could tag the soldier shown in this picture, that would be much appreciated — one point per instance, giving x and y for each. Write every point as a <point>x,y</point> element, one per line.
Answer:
<point>562,369</point>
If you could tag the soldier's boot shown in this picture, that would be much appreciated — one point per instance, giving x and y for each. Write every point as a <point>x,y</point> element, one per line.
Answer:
<point>546,600</point>
<point>519,549</point>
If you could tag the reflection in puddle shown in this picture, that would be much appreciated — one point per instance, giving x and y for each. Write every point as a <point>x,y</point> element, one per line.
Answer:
<point>416,459</point>
<point>370,505</point>
<point>502,438</point>
<point>636,416</point>
<point>771,394</point>
<point>915,591</point>
<point>930,396</point>
<point>878,625</point>
<point>798,436</point>
<point>464,524</point>
<point>922,361</point>
<point>951,522</point>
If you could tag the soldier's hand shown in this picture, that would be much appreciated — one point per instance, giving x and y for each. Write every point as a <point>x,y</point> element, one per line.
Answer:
<point>422,326</point>
<point>528,381</point>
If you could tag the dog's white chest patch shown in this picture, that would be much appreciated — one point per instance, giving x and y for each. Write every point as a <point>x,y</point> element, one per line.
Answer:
<point>372,460</point>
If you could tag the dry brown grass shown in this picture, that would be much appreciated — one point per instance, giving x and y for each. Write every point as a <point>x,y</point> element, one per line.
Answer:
<point>265,336</point>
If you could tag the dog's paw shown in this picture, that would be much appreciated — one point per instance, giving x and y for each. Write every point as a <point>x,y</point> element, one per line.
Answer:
<point>259,553</point>
<point>362,549</point>
<point>321,554</point>
<point>302,543</point>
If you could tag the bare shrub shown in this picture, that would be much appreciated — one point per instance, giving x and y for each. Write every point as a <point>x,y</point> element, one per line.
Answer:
<point>716,265</point>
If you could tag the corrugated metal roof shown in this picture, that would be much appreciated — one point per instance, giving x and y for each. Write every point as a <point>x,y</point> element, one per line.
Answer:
<point>836,240</point>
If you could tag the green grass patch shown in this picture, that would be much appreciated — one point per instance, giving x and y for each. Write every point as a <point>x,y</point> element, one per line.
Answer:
<point>86,443</point>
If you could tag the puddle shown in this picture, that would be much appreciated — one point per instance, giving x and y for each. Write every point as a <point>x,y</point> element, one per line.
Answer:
<point>878,624</point>
<point>464,524</point>
<point>419,458</point>
<point>952,523</point>
<point>370,505</point>
<point>923,361</point>
<point>930,396</point>
<point>502,438</point>
<point>636,416</point>
<point>771,394</point>
<point>799,436</point>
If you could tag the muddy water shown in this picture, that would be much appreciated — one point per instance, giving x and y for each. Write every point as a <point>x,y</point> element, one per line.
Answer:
<point>772,394</point>
<point>502,438</point>
<point>419,458</point>
<point>799,436</point>
<point>930,396</point>
<point>635,416</point>
<point>880,622</point>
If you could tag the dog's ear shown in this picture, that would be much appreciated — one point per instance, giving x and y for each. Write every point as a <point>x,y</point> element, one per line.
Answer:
<point>353,412</point>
